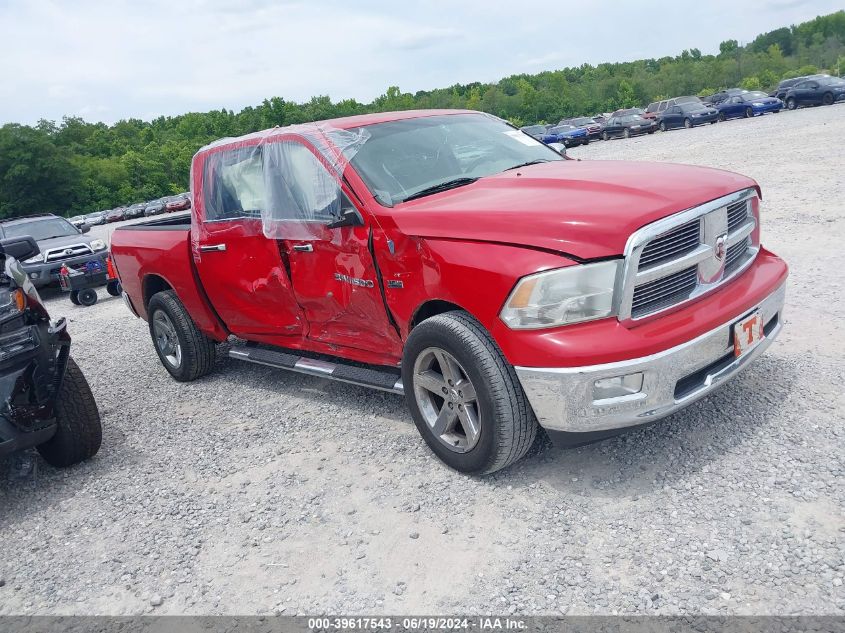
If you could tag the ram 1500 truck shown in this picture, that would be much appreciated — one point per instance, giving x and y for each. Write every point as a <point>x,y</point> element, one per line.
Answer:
<point>449,257</point>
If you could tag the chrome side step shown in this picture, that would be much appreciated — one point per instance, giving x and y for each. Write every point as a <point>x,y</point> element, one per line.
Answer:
<point>363,376</point>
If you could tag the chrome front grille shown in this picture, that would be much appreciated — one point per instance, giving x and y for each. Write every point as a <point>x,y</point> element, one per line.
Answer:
<point>684,256</point>
<point>672,244</point>
<point>66,252</point>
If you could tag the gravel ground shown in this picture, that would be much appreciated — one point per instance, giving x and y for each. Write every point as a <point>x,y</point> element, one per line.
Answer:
<point>257,491</point>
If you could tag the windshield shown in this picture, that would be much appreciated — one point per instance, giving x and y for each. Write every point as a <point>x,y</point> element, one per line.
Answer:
<point>754,95</point>
<point>41,229</point>
<point>402,158</point>
<point>692,107</point>
<point>628,118</point>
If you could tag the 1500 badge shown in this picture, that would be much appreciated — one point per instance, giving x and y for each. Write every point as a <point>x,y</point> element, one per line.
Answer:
<point>364,283</point>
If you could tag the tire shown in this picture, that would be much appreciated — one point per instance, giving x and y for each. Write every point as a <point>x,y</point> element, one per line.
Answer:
<point>662,126</point>
<point>505,423</point>
<point>185,352</point>
<point>626,133</point>
<point>651,131</point>
<point>791,104</point>
<point>74,297</point>
<point>722,117</point>
<point>604,136</point>
<point>688,124</point>
<point>827,99</point>
<point>79,432</point>
<point>749,113</point>
<point>87,297</point>
<point>114,288</point>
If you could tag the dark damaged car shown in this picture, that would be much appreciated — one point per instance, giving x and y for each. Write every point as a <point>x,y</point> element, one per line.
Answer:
<point>45,401</point>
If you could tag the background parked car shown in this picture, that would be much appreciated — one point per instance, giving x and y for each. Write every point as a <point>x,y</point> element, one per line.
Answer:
<point>723,95</point>
<point>567,135</point>
<point>183,201</point>
<point>628,125</point>
<point>154,208</point>
<point>687,115</point>
<point>95,218</point>
<point>748,104</point>
<point>656,108</point>
<point>626,111</point>
<point>77,220</point>
<point>115,215</point>
<point>589,124</point>
<point>134,210</point>
<point>534,131</point>
<point>819,91</point>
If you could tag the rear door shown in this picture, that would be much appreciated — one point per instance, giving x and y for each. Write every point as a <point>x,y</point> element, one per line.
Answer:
<point>242,272</point>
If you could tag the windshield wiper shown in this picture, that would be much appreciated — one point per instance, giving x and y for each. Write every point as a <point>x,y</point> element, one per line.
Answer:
<point>536,161</point>
<point>442,186</point>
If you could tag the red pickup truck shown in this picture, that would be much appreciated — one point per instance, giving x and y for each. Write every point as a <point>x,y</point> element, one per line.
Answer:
<point>447,256</point>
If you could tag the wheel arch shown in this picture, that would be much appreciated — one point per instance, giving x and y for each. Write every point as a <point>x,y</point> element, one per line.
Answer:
<point>433,307</point>
<point>153,284</point>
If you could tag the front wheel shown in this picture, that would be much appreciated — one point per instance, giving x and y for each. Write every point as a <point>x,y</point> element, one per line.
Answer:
<point>184,351</point>
<point>791,104</point>
<point>687,123</point>
<point>662,126</point>
<point>465,398</point>
<point>749,113</point>
<point>113,288</point>
<point>722,117</point>
<point>627,133</point>
<point>74,297</point>
<point>79,431</point>
<point>604,136</point>
<point>87,297</point>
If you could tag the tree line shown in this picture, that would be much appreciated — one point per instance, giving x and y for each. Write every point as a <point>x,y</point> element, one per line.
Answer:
<point>75,166</point>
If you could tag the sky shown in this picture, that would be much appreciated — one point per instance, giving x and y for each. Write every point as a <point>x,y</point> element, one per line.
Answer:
<point>106,61</point>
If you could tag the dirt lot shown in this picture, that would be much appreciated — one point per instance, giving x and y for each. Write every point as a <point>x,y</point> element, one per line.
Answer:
<point>256,491</point>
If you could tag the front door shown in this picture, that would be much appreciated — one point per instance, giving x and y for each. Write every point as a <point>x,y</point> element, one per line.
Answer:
<point>242,271</point>
<point>333,273</point>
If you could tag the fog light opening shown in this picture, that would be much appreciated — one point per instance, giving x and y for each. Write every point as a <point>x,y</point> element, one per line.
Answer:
<point>617,387</point>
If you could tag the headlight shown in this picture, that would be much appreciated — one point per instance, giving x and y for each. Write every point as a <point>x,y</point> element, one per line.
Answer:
<point>562,296</point>
<point>97,245</point>
<point>34,260</point>
<point>12,302</point>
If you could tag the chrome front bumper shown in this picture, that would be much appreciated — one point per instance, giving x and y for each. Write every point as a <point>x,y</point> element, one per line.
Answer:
<point>563,398</point>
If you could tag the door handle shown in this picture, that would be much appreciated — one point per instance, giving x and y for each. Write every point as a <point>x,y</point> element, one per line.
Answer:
<point>212,247</point>
<point>303,248</point>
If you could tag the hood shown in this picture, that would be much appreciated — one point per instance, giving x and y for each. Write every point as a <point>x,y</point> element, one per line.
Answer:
<point>765,100</point>
<point>67,240</point>
<point>586,209</point>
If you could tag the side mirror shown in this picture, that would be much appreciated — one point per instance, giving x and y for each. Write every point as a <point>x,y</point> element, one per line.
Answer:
<point>21,248</point>
<point>349,216</point>
<point>84,227</point>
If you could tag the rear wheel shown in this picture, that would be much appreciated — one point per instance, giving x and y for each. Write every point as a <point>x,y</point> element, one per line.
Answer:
<point>87,297</point>
<point>74,297</point>
<point>114,288</point>
<point>79,431</point>
<point>465,398</point>
<point>687,123</point>
<point>185,352</point>
<point>827,99</point>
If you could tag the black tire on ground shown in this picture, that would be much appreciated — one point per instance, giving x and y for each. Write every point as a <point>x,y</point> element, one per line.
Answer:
<point>114,288</point>
<point>749,113</point>
<point>827,99</point>
<point>627,133</point>
<point>87,297</point>
<point>687,123</point>
<point>74,297</point>
<point>507,424</point>
<point>604,136</point>
<point>197,351</point>
<point>791,104</point>
<point>662,126</point>
<point>722,116</point>
<point>79,432</point>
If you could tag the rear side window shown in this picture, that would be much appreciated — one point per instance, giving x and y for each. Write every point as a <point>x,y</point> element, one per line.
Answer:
<point>233,184</point>
<point>282,183</point>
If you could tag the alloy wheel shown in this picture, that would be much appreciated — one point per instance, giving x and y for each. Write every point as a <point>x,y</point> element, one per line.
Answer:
<point>166,339</point>
<point>447,399</point>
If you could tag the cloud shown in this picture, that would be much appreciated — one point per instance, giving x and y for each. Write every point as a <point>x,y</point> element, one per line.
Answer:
<point>147,58</point>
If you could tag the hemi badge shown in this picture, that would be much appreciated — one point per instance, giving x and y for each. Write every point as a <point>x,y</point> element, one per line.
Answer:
<point>395,283</point>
